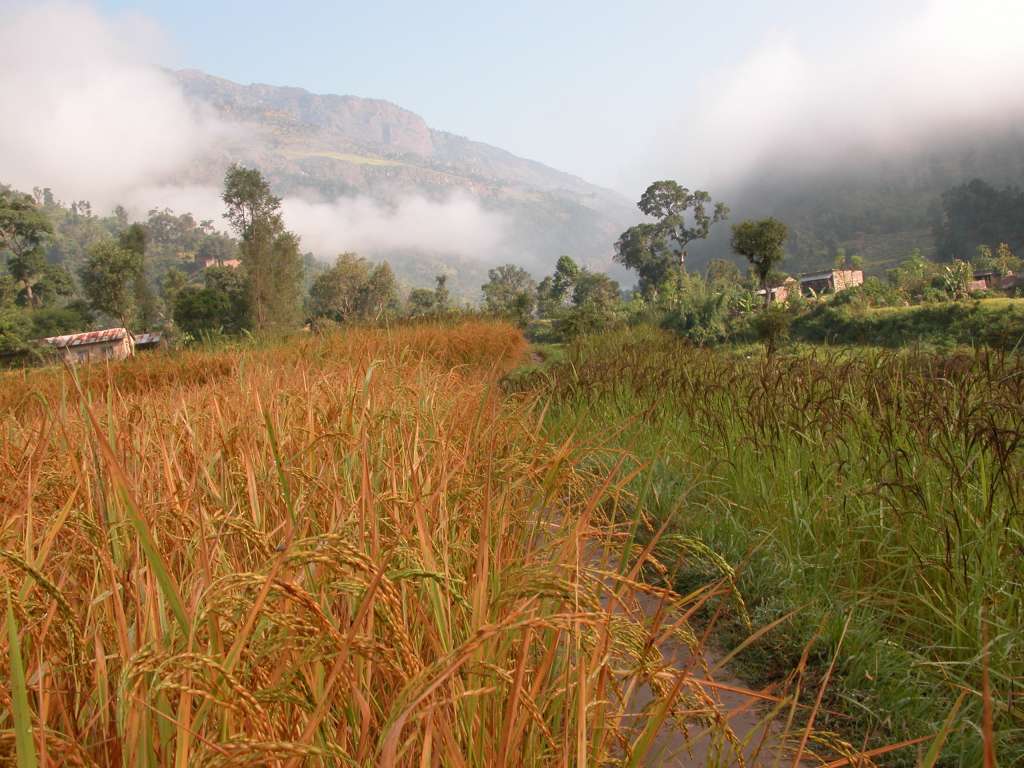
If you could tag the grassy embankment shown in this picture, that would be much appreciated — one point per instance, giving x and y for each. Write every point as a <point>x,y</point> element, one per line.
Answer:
<point>998,323</point>
<point>346,550</point>
<point>872,498</point>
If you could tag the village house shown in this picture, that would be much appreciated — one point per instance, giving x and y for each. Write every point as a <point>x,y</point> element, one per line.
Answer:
<point>94,346</point>
<point>985,281</point>
<point>780,293</point>
<point>830,281</point>
<point>993,281</point>
<point>202,262</point>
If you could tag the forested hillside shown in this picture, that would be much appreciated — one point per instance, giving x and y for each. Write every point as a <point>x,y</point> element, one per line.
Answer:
<point>880,206</point>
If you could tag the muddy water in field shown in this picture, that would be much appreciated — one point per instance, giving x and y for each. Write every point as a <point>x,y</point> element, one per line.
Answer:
<point>759,740</point>
<point>747,714</point>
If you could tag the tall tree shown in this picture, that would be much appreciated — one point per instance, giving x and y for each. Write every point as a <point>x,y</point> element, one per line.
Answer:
<point>108,279</point>
<point>336,293</point>
<point>269,253</point>
<point>762,243</point>
<point>441,296</point>
<point>422,301</point>
<point>564,279</point>
<point>380,294</point>
<point>654,250</point>
<point>595,288</point>
<point>510,290</point>
<point>284,303</point>
<point>147,304</point>
<point>24,231</point>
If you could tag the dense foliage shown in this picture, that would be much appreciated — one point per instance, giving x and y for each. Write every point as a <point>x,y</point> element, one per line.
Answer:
<point>977,212</point>
<point>67,270</point>
<point>655,250</point>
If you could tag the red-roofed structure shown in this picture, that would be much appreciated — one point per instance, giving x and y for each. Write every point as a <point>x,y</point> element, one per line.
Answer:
<point>109,344</point>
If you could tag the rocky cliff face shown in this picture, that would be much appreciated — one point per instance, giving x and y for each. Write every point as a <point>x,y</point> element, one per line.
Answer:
<point>327,146</point>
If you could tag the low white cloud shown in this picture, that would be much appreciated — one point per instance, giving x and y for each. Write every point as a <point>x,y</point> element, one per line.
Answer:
<point>955,66</point>
<point>457,226</point>
<point>87,111</point>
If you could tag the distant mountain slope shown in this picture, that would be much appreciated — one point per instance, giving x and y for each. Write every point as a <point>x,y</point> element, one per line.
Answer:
<point>328,146</point>
<point>879,205</point>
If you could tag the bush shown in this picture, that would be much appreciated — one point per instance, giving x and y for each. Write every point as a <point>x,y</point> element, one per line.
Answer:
<point>591,317</point>
<point>872,293</point>
<point>201,311</point>
<point>772,327</point>
<point>702,315</point>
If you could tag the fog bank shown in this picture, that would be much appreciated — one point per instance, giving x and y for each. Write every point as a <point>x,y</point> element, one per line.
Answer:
<point>953,68</point>
<point>89,113</point>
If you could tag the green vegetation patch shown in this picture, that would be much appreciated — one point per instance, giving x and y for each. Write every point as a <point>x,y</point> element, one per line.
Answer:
<point>875,487</point>
<point>995,322</point>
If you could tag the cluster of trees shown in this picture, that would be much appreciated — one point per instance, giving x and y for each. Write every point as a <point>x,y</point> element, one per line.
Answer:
<point>574,300</point>
<point>977,212</point>
<point>66,270</point>
<point>354,290</point>
<point>266,293</point>
<point>722,302</point>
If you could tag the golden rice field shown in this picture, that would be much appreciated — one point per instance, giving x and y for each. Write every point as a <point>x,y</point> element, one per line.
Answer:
<point>340,550</point>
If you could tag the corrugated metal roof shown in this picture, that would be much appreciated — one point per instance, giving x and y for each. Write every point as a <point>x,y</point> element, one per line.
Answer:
<point>144,339</point>
<point>817,276</point>
<point>92,337</point>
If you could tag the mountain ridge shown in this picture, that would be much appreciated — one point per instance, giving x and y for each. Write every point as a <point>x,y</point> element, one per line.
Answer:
<point>191,78</point>
<point>329,146</point>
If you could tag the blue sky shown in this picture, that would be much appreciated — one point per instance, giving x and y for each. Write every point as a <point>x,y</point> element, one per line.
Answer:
<point>587,87</point>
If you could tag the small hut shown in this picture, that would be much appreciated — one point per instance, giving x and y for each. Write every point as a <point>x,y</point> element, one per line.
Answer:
<point>110,344</point>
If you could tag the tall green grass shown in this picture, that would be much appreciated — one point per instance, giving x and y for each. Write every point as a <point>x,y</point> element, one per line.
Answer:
<point>880,488</point>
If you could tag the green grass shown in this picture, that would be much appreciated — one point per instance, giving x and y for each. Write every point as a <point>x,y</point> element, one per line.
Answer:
<point>876,486</point>
<point>993,322</point>
<point>995,304</point>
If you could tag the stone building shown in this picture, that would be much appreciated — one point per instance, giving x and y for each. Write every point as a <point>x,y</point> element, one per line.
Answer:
<point>830,281</point>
